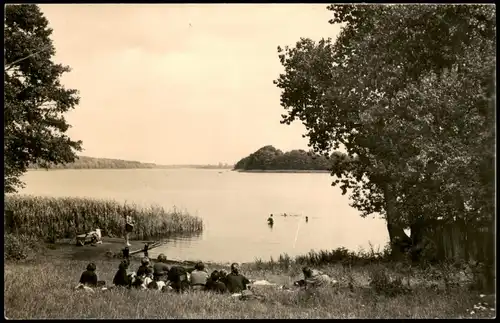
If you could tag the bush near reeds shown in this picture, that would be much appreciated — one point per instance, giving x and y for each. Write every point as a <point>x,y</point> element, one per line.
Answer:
<point>313,258</point>
<point>52,218</point>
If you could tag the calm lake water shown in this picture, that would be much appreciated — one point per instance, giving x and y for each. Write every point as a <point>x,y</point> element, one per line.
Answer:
<point>234,207</point>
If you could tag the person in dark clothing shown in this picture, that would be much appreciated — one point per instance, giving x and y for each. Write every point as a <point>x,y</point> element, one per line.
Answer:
<point>214,283</point>
<point>89,277</point>
<point>177,275</point>
<point>126,254</point>
<point>270,220</point>
<point>160,268</point>
<point>235,282</point>
<point>223,275</point>
<point>121,277</point>
<point>145,269</point>
<point>145,250</point>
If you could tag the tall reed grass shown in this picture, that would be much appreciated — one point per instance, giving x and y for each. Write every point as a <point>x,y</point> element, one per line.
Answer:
<point>57,218</point>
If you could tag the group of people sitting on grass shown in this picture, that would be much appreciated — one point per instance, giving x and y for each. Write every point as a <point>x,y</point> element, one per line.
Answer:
<point>162,277</point>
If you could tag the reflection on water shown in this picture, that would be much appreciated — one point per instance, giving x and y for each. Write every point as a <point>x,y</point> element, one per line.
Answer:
<point>234,207</point>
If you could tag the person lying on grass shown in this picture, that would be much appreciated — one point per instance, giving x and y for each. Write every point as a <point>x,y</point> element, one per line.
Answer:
<point>89,277</point>
<point>314,278</point>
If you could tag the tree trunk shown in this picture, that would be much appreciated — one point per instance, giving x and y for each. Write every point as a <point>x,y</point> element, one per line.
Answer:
<point>399,240</point>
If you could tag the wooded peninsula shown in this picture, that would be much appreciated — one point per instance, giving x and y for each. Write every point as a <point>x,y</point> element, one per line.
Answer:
<point>268,158</point>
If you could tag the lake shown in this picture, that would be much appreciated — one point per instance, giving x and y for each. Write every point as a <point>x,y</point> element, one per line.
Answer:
<point>234,207</point>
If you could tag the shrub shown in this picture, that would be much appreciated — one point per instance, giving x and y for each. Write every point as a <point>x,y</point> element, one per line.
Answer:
<point>381,283</point>
<point>19,247</point>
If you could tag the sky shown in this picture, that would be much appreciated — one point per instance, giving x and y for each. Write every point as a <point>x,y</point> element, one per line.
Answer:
<point>180,84</point>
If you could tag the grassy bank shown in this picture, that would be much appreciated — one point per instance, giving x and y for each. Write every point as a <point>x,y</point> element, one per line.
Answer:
<point>44,288</point>
<point>57,218</point>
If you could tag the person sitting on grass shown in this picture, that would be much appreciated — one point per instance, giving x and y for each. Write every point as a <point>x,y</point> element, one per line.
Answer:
<point>178,278</point>
<point>235,282</point>
<point>144,274</point>
<point>199,276</point>
<point>121,277</point>
<point>89,277</point>
<point>145,268</point>
<point>160,268</point>
<point>214,283</point>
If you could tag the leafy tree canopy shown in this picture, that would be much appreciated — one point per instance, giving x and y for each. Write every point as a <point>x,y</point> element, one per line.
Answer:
<point>409,90</point>
<point>34,98</point>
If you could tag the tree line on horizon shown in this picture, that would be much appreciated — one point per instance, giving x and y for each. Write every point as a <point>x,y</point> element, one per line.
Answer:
<point>84,162</point>
<point>270,158</point>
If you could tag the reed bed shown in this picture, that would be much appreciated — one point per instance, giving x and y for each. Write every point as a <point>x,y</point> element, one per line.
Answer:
<point>52,218</point>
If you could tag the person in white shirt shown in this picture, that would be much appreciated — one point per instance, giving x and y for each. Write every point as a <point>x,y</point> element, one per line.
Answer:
<point>129,227</point>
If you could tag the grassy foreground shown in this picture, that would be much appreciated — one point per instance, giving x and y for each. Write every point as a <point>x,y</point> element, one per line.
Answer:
<point>58,218</point>
<point>44,288</point>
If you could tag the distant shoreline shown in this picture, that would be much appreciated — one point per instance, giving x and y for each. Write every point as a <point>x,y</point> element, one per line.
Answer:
<point>280,171</point>
<point>129,168</point>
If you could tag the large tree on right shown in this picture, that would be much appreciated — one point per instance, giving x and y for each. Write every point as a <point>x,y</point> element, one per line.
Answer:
<point>409,90</point>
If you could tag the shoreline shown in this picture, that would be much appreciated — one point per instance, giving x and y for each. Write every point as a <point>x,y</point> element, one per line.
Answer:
<point>289,171</point>
<point>285,171</point>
